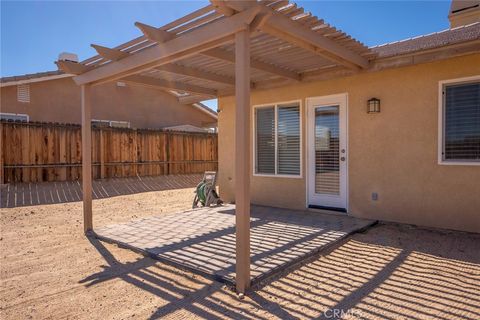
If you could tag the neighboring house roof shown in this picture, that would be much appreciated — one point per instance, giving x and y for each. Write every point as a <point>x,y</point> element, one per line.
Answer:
<point>186,128</point>
<point>430,41</point>
<point>205,109</point>
<point>33,77</point>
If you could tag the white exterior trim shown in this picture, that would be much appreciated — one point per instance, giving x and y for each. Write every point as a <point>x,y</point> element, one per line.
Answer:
<point>334,98</point>
<point>40,79</point>
<point>441,85</point>
<point>254,130</point>
<point>111,122</point>
<point>16,114</point>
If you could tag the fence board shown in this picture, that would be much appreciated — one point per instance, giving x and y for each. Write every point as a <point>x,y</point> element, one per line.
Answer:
<point>35,152</point>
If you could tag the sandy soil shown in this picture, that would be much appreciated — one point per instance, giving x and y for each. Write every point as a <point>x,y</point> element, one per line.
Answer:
<point>50,270</point>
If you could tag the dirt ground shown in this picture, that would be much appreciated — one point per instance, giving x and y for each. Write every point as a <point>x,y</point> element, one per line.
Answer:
<point>50,270</point>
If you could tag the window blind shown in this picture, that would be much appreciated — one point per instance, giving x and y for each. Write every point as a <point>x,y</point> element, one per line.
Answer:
<point>462,122</point>
<point>288,139</point>
<point>265,140</point>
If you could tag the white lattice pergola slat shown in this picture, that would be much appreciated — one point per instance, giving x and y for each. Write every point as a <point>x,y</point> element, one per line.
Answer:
<point>226,48</point>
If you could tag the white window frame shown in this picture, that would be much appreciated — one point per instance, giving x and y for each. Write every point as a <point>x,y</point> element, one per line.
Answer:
<point>15,115</point>
<point>441,121</point>
<point>110,122</point>
<point>254,142</point>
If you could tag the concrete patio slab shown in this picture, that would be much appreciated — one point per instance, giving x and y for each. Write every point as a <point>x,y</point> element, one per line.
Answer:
<point>203,240</point>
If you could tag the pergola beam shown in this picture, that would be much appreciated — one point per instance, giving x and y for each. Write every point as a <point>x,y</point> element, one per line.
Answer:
<point>188,44</point>
<point>256,64</point>
<point>165,84</point>
<point>196,73</point>
<point>153,33</point>
<point>115,55</point>
<point>72,67</point>
<point>284,28</point>
<point>110,54</point>
<point>281,26</point>
<point>221,7</point>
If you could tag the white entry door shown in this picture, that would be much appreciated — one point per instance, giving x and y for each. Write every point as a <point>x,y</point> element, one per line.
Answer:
<point>327,152</point>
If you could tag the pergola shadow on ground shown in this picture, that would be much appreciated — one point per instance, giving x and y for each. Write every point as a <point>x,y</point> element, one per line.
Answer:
<point>387,272</point>
<point>203,240</point>
<point>39,193</point>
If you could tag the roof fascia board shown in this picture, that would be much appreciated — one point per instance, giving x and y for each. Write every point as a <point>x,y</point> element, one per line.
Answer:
<point>190,99</point>
<point>203,109</point>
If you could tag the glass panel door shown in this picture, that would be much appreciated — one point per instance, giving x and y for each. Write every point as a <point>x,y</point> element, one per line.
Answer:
<point>327,150</point>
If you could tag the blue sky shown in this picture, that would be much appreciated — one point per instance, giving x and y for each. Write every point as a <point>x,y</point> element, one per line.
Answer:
<point>33,33</point>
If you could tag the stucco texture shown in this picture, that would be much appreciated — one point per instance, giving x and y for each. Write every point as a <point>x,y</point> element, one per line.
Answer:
<point>393,153</point>
<point>59,101</point>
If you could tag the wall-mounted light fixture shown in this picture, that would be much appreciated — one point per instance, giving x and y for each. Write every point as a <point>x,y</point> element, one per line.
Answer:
<point>373,105</point>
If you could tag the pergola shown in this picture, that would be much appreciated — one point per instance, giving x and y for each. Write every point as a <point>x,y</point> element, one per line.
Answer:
<point>225,48</point>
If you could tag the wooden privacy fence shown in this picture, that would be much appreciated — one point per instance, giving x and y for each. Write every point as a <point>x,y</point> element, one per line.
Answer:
<point>34,152</point>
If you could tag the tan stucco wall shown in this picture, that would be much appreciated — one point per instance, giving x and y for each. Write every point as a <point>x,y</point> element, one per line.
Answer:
<point>393,153</point>
<point>59,101</point>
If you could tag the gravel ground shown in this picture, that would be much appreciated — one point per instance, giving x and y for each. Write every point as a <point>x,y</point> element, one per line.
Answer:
<point>50,270</point>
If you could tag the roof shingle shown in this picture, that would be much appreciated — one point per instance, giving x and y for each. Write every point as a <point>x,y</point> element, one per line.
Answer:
<point>430,41</point>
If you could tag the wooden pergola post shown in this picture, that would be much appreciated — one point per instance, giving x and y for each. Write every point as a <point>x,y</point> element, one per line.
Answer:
<point>242,159</point>
<point>87,158</point>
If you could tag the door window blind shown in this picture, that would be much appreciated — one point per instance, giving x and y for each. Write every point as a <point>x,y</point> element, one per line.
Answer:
<point>462,122</point>
<point>278,139</point>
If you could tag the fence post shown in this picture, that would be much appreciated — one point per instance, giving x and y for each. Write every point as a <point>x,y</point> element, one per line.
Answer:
<point>135,152</point>
<point>167,151</point>
<point>102,155</point>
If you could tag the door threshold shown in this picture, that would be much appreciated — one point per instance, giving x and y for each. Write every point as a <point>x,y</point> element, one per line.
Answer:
<point>312,206</point>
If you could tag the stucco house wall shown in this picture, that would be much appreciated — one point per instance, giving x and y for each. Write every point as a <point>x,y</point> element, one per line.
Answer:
<point>393,153</point>
<point>59,101</point>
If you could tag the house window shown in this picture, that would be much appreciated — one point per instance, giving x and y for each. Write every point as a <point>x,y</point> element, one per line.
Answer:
<point>278,139</point>
<point>23,93</point>
<point>14,117</point>
<point>461,122</point>
<point>110,124</point>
